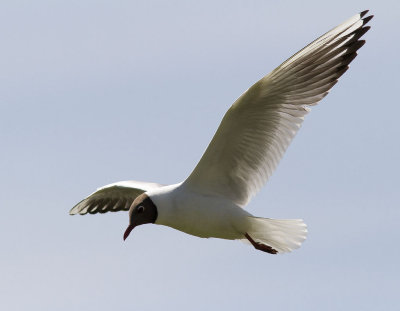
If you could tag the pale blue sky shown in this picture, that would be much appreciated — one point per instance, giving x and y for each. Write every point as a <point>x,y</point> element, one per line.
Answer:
<point>93,92</point>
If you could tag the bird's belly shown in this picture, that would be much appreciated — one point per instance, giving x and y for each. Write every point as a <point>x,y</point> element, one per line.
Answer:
<point>206,217</point>
<point>205,226</point>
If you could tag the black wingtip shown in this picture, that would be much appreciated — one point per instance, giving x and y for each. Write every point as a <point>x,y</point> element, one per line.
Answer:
<point>363,13</point>
<point>367,19</point>
<point>340,71</point>
<point>348,58</point>
<point>357,45</point>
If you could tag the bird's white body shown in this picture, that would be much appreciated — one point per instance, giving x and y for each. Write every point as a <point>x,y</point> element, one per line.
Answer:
<point>205,216</point>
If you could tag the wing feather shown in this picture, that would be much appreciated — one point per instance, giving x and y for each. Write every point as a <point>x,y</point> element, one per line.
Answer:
<point>260,125</point>
<point>112,198</point>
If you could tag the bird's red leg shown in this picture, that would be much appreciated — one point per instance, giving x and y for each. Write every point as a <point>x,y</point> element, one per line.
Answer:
<point>260,246</point>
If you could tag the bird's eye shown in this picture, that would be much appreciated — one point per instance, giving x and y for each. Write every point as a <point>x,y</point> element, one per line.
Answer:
<point>140,209</point>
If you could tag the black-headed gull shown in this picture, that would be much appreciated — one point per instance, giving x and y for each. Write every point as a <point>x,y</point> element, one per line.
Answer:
<point>245,150</point>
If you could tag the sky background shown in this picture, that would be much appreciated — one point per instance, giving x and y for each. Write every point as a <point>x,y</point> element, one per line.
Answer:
<point>93,92</point>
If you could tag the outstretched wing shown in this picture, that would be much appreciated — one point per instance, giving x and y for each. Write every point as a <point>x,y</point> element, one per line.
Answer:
<point>260,125</point>
<point>112,198</point>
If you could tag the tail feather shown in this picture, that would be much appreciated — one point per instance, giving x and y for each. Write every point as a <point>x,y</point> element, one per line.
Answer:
<point>284,235</point>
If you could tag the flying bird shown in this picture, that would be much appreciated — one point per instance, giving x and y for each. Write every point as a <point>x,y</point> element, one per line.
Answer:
<point>245,150</point>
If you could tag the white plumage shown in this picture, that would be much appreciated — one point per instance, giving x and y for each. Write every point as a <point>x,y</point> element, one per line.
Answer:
<point>244,152</point>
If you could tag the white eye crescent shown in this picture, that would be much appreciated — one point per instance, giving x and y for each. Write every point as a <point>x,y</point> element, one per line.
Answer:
<point>140,209</point>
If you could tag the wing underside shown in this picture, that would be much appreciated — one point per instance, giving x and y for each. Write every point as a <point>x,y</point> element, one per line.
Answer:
<point>112,198</point>
<point>257,129</point>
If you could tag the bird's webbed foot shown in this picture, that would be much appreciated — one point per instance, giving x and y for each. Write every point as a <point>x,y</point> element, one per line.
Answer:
<point>260,246</point>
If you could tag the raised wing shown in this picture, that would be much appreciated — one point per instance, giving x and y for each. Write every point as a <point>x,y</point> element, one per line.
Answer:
<point>260,125</point>
<point>112,198</point>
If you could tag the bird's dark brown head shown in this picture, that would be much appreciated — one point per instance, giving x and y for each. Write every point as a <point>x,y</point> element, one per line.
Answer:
<point>142,211</point>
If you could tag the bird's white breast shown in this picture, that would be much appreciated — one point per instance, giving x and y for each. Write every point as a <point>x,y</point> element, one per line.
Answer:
<point>198,214</point>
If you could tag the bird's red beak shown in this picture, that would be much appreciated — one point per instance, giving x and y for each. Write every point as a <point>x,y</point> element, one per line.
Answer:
<point>128,231</point>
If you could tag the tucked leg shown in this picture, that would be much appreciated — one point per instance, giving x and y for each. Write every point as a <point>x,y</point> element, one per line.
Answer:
<point>260,246</point>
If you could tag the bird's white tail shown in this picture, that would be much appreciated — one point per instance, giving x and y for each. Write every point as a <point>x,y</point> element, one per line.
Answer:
<point>283,235</point>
